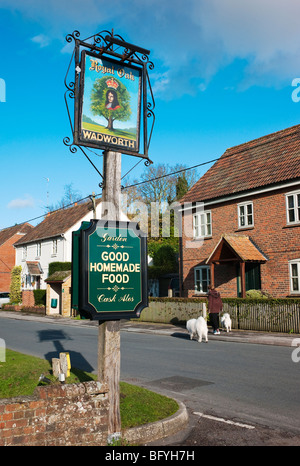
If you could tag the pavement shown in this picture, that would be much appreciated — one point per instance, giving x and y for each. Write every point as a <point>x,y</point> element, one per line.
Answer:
<point>149,433</point>
<point>237,336</point>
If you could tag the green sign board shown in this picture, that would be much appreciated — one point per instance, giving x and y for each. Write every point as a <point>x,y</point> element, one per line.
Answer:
<point>112,270</point>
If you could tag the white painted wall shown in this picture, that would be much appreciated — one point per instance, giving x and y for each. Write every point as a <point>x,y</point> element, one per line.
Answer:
<point>47,255</point>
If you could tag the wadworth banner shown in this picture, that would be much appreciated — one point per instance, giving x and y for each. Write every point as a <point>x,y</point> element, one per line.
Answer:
<point>110,103</point>
<point>109,275</point>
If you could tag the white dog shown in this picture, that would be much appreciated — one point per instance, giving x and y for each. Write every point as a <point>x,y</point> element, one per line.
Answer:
<point>226,322</point>
<point>190,325</point>
<point>201,329</point>
<point>197,328</point>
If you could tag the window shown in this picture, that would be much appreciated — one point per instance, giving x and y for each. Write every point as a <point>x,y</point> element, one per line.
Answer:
<point>202,225</point>
<point>24,253</point>
<point>293,207</point>
<point>245,214</point>
<point>54,246</point>
<point>38,249</point>
<point>295,276</point>
<point>202,279</point>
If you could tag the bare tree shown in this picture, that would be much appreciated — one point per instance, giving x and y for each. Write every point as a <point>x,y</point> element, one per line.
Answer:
<point>70,196</point>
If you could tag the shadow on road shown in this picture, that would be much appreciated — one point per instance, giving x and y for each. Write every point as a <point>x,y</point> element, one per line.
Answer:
<point>57,336</point>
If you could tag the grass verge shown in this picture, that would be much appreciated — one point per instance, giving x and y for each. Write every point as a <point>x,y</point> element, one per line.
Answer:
<point>19,376</point>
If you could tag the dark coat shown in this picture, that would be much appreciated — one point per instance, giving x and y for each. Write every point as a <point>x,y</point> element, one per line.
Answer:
<point>215,304</point>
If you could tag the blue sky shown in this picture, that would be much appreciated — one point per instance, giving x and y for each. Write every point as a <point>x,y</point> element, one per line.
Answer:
<point>223,76</point>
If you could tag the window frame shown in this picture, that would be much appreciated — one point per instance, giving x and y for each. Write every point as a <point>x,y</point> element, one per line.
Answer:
<point>296,207</point>
<point>292,276</point>
<point>38,249</point>
<point>202,227</point>
<point>208,278</point>
<point>24,253</point>
<point>54,247</point>
<point>245,205</point>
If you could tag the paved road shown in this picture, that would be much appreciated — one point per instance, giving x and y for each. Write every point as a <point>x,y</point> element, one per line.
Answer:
<point>257,385</point>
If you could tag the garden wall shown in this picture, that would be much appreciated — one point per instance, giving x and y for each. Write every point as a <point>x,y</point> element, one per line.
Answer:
<point>273,315</point>
<point>172,310</point>
<point>57,415</point>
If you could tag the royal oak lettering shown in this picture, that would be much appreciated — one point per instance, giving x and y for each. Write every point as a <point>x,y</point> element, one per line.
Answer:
<point>96,66</point>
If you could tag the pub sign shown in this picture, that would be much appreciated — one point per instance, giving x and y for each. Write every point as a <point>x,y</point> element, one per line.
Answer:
<point>110,104</point>
<point>110,95</point>
<point>112,270</point>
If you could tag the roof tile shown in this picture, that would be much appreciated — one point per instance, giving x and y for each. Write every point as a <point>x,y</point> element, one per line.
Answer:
<point>56,223</point>
<point>7,233</point>
<point>243,248</point>
<point>271,159</point>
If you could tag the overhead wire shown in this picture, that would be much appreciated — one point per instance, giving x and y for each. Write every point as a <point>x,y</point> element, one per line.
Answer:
<point>125,187</point>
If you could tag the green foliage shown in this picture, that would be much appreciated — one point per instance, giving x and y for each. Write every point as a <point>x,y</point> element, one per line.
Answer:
<point>232,301</point>
<point>20,376</point>
<point>182,186</point>
<point>271,301</point>
<point>178,300</point>
<point>98,97</point>
<point>59,266</point>
<point>165,256</point>
<point>15,285</point>
<point>139,406</point>
<point>164,260</point>
<point>257,294</point>
<point>39,297</point>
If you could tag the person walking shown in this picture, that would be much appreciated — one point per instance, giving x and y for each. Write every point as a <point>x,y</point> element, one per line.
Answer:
<point>215,306</point>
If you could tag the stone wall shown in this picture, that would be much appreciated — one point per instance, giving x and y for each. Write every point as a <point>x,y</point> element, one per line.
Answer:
<point>57,415</point>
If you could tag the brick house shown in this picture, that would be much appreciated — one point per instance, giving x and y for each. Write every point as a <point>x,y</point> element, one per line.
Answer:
<point>8,237</point>
<point>241,221</point>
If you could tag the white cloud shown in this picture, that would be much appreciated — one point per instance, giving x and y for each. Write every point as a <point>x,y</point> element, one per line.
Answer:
<point>19,203</point>
<point>41,40</point>
<point>190,40</point>
<point>263,33</point>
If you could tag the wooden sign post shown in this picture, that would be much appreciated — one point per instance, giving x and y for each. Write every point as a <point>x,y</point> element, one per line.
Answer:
<point>109,358</point>
<point>109,270</point>
<point>96,272</point>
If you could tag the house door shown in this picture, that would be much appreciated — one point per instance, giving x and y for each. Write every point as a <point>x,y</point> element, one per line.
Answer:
<point>252,277</point>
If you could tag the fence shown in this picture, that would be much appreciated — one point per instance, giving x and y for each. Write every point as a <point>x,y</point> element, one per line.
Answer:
<point>267,315</point>
<point>271,316</point>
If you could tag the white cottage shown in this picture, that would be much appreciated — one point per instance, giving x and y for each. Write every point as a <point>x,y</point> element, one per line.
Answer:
<point>50,241</point>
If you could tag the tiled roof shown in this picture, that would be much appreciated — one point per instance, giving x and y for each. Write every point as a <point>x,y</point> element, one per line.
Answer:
<point>58,222</point>
<point>271,159</point>
<point>240,245</point>
<point>7,233</point>
<point>33,267</point>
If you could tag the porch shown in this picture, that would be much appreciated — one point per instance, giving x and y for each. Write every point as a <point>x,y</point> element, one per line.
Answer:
<point>241,252</point>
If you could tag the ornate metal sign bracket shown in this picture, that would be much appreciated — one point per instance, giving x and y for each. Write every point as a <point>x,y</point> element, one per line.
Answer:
<point>106,45</point>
